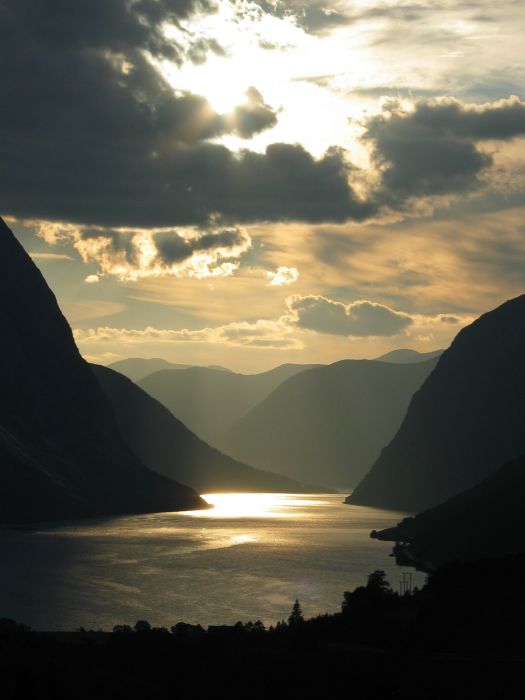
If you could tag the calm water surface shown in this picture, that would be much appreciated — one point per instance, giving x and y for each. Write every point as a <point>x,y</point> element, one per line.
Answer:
<point>247,558</point>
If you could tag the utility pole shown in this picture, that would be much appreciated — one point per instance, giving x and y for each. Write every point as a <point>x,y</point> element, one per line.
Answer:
<point>406,582</point>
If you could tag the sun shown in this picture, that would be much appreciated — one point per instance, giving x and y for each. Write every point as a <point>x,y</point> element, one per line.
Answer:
<point>287,67</point>
<point>223,81</point>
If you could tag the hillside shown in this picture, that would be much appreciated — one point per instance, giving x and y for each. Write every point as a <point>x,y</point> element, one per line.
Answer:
<point>136,368</point>
<point>168,447</point>
<point>61,455</point>
<point>407,356</point>
<point>466,419</point>
<point>328,424</point>
<point>485,521</point>
<point>209,401</point>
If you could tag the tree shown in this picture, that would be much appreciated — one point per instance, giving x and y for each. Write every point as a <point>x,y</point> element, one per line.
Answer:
<point>142,626</point>
<point>296,616</point>
<point>377,582</point>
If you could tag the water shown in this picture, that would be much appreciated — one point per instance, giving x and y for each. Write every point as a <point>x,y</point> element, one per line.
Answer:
<point>248,558</point>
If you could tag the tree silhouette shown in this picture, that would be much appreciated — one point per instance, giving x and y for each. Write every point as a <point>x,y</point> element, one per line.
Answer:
<point>296,616</point>
<point>142,626</point>
<point>377,582</point>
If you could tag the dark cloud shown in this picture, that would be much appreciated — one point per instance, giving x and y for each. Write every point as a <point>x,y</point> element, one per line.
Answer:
<point>111,25</point>
<point>173,248</point>
<point>254,116</point>
<point>501,121</point>
<point>200,48</point>
<point>359,319</point>
<point>90,132</point>
<point>132,254</point>
<point>314,16</point>
<point>115,242</point>
<point>433,150</point>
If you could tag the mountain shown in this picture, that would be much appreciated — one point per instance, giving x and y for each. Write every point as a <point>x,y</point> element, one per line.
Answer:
<point>61,455</point>
<point>168,447</point>
<point>467,418</point>
<point>208,401</point>
<point>137,368</point>
<point>484,521</point>
<point>328,424</point>
<point>407,356</point>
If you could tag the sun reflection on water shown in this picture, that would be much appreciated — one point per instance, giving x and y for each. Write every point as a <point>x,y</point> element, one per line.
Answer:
<point>253,505</point>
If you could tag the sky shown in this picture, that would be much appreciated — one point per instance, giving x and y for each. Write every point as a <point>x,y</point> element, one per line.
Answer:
<point>248,183</point>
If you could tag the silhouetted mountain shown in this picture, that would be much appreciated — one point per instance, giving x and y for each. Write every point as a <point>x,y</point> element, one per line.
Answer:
<point>137,368</point>
<point>209,401</point>
<point>485,521</point>
<point>61,455</point>
<point>406,356</point>
<point>168,447</point>
<point>466,419</point>
<point>328,424</point>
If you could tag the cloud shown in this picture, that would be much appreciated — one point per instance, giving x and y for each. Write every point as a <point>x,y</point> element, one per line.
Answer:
<point>451,320</point>
<point>50,256</point>
<point>79,311</point>
<point>258,334</point>
<point>200,48</point>
<point>137,254</point>
<point>282,275</point>
<point>93,134</point>
<point>253,117</point>
<point>432,149</point>
<point>320,17</point>
<point>358,319</point>
<point>103,25</point>
<point>313,16</point>
<point>362,319</point>
<point>172,247</point>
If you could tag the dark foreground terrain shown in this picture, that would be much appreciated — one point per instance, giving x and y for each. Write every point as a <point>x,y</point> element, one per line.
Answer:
<point>461,636</point>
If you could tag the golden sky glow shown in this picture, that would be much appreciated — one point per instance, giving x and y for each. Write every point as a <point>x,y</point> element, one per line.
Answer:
<point>416,108</point>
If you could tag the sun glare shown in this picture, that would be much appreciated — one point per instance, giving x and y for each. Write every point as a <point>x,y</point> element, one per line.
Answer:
<point>252,505</point>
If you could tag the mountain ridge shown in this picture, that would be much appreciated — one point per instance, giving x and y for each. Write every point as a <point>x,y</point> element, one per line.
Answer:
<point>466,418</point>
<point>483,521</point>
<point>208,401</point>
<point>329,423</point>
<point>61,455</point>
<point>137,368</point>
<point>168,447</point>
<point>408,356</point>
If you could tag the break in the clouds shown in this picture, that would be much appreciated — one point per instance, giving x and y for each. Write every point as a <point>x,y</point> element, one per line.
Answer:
<point>93,133</point>
<point>160,143</point>
<point>135,254</point>
<point>111,143</point>
<point>282,276</point>
<point>359,319</point>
